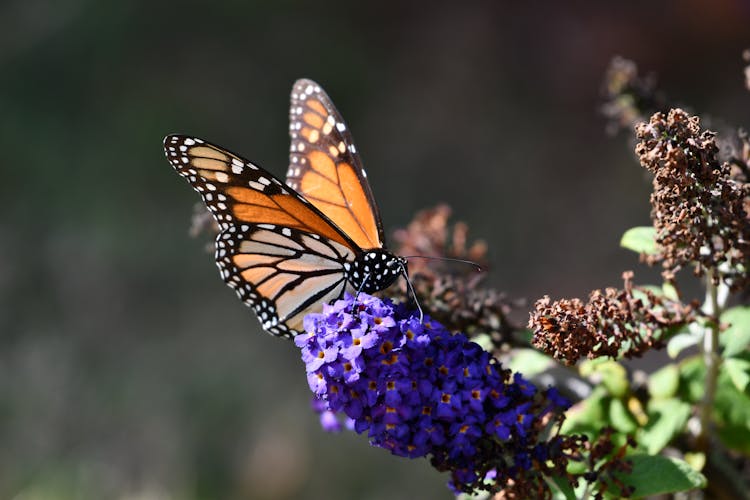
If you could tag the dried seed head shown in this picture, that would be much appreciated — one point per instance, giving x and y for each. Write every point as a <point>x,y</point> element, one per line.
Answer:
<point>451,292</point>
<point>613,323</point>
<point>698,209</point>
<point>429,234</point>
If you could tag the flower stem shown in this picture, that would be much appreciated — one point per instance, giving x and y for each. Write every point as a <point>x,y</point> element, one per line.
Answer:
<point>711,360</point>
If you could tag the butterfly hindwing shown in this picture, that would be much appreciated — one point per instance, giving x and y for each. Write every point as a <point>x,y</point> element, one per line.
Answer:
<point>282,273</point>
<point>325,166</point>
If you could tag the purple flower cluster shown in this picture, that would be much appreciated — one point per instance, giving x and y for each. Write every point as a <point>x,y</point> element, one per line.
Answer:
<point>419,390</point>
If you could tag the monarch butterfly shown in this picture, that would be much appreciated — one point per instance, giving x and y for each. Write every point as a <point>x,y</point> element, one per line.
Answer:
<point>287,249</point>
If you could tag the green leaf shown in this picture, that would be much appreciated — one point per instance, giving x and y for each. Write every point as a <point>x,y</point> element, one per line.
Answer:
<point>657,475</point>
<point>738,370</point>
<point>664,383</point>
<point>735,437</point>
<point>682,341</point>
<point>736,338</point>
<point>562,489</point>
<point>614,378</point>
<point>589,366</point>
<point>670,291</point>
<point>524,337</point>
<point>588,416</point>
<point>666,419</point>
<point>732,414</point>
<point>529,362</point>
<point>640,239</point>
<point>621,418</point>
<point>608,373</point>
<point>696,460</point>
<point>484,341</point>
<point>692,375</point>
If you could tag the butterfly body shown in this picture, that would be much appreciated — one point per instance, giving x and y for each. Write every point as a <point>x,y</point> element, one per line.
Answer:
<point>286,248</point>
<point>375,269</point>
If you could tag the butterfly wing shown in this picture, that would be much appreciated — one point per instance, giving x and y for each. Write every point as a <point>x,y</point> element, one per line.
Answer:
<point>283,275</point>
<point>325,166</point>
<point>280,253</point>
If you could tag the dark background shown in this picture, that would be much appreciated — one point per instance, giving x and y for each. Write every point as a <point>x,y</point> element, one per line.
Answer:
<point>127,369</point>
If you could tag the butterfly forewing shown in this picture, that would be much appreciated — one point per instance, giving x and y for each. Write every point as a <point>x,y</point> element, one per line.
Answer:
<point>282,256</point>
<point>325,166</point>
<point>237,191</point>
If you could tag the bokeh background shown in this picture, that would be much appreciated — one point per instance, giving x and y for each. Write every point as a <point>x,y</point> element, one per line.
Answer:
<point>127,369</point>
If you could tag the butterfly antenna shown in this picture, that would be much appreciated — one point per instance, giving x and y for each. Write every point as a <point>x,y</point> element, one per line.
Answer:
<point>451,259</point>
<point>413,293</point>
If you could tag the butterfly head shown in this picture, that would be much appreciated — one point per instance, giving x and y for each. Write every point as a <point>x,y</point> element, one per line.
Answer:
<point>375,269</point>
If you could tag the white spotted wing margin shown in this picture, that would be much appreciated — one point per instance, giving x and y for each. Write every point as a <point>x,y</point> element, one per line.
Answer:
<point>325,167</point>
<point>283,257</point>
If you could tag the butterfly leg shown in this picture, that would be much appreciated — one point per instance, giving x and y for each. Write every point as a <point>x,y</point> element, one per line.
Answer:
<point>359,290</point>
<point>413,293</point>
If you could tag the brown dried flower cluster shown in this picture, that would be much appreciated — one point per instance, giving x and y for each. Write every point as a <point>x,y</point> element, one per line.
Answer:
<point>430,235</point>
<point>698,209</point>
<point>450,291</point>
<point>612,323</point>
<point>630,98</point>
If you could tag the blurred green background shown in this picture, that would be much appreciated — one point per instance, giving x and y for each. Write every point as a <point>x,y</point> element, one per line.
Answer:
<point>128,370</point>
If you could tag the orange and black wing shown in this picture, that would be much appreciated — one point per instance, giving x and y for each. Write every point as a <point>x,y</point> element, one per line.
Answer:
<point>325,166</point>
<point>280,253</point>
